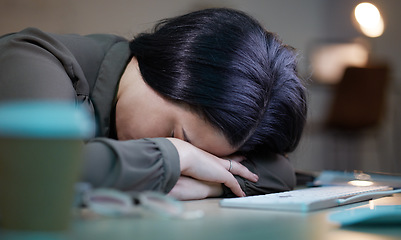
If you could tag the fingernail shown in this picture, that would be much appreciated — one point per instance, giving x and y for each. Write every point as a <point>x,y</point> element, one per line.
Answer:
<point>243,194</point>
<point>256,177</point>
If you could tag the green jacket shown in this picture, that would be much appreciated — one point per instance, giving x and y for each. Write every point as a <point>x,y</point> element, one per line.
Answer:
<point>87,70</point>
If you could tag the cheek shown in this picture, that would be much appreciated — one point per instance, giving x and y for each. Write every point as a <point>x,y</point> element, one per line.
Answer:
<point>154,128</point>
<point>145,128</point>
<point>209,140</point>
<point>218,148</point>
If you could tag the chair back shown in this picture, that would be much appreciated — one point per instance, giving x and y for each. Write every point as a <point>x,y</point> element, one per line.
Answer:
<point>359,98</point>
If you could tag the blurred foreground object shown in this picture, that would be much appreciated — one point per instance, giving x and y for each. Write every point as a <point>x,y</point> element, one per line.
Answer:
<point>40,161</point>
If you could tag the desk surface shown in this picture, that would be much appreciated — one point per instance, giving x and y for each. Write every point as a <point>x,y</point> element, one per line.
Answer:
<point>226,223</point>
<point>230,223</point>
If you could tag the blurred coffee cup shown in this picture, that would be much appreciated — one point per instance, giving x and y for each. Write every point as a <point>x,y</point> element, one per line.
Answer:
<point>40,160</point>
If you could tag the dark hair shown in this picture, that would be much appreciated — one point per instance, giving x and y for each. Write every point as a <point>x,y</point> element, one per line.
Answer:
<point>226,67</point>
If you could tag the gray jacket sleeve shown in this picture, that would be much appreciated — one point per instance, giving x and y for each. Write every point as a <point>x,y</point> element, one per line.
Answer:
<point>144,164</point>
<point>33,65</point>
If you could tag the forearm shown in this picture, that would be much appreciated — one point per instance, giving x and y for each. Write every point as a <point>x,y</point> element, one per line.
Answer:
<point>145,164</point>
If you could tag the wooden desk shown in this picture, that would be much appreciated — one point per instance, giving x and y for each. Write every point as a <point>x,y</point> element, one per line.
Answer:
<point>229,223</point>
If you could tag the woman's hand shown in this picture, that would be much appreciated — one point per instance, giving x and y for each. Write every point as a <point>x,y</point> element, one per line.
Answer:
<point>201,165</point>
<point>191,189</point>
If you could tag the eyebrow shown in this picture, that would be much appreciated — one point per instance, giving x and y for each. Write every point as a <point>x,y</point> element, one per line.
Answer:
<point>185,136</point>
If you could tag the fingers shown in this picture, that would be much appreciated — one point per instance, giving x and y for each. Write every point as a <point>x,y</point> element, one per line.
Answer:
<point>233,184</point>
<point>237,168</point>
<point>192,189</point>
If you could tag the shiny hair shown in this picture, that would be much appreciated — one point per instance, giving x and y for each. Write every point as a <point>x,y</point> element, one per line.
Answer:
<point>239,77</point>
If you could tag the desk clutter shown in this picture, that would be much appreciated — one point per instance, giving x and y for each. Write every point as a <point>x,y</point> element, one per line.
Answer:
<point>108,202</point>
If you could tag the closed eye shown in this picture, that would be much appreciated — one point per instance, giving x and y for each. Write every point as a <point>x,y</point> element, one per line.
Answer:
<point>185,136</point>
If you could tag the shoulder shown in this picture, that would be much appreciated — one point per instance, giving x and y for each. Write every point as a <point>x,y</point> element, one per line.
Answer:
<point>75,43</point>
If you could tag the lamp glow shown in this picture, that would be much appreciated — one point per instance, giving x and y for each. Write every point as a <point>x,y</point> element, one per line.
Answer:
<point>360,183</point>
<point>369,19</point>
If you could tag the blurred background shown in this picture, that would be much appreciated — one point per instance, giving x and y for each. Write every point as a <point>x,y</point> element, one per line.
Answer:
<point>353,72</point>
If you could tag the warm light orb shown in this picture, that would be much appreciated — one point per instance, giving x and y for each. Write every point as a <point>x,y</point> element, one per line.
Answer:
<point>369,19</point>
<point>367,14</point>
<point>360,183</point>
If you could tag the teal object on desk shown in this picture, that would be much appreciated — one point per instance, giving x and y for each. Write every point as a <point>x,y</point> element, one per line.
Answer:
<point>379,215</point>
<point>45,119</point>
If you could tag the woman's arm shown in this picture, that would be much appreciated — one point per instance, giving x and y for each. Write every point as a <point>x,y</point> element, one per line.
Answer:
<point>156,164</point>
<point>204,175</point>
<point>143,164</point>
<point>275,175</point>
<point>202,166</point>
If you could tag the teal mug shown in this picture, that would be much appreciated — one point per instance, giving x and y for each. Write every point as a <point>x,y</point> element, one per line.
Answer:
<point>41,147</point>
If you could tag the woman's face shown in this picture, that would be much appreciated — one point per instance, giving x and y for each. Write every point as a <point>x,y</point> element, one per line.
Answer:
<point>143,113</point>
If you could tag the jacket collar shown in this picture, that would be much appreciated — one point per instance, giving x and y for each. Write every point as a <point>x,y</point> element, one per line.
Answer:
<point>105,90</point>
